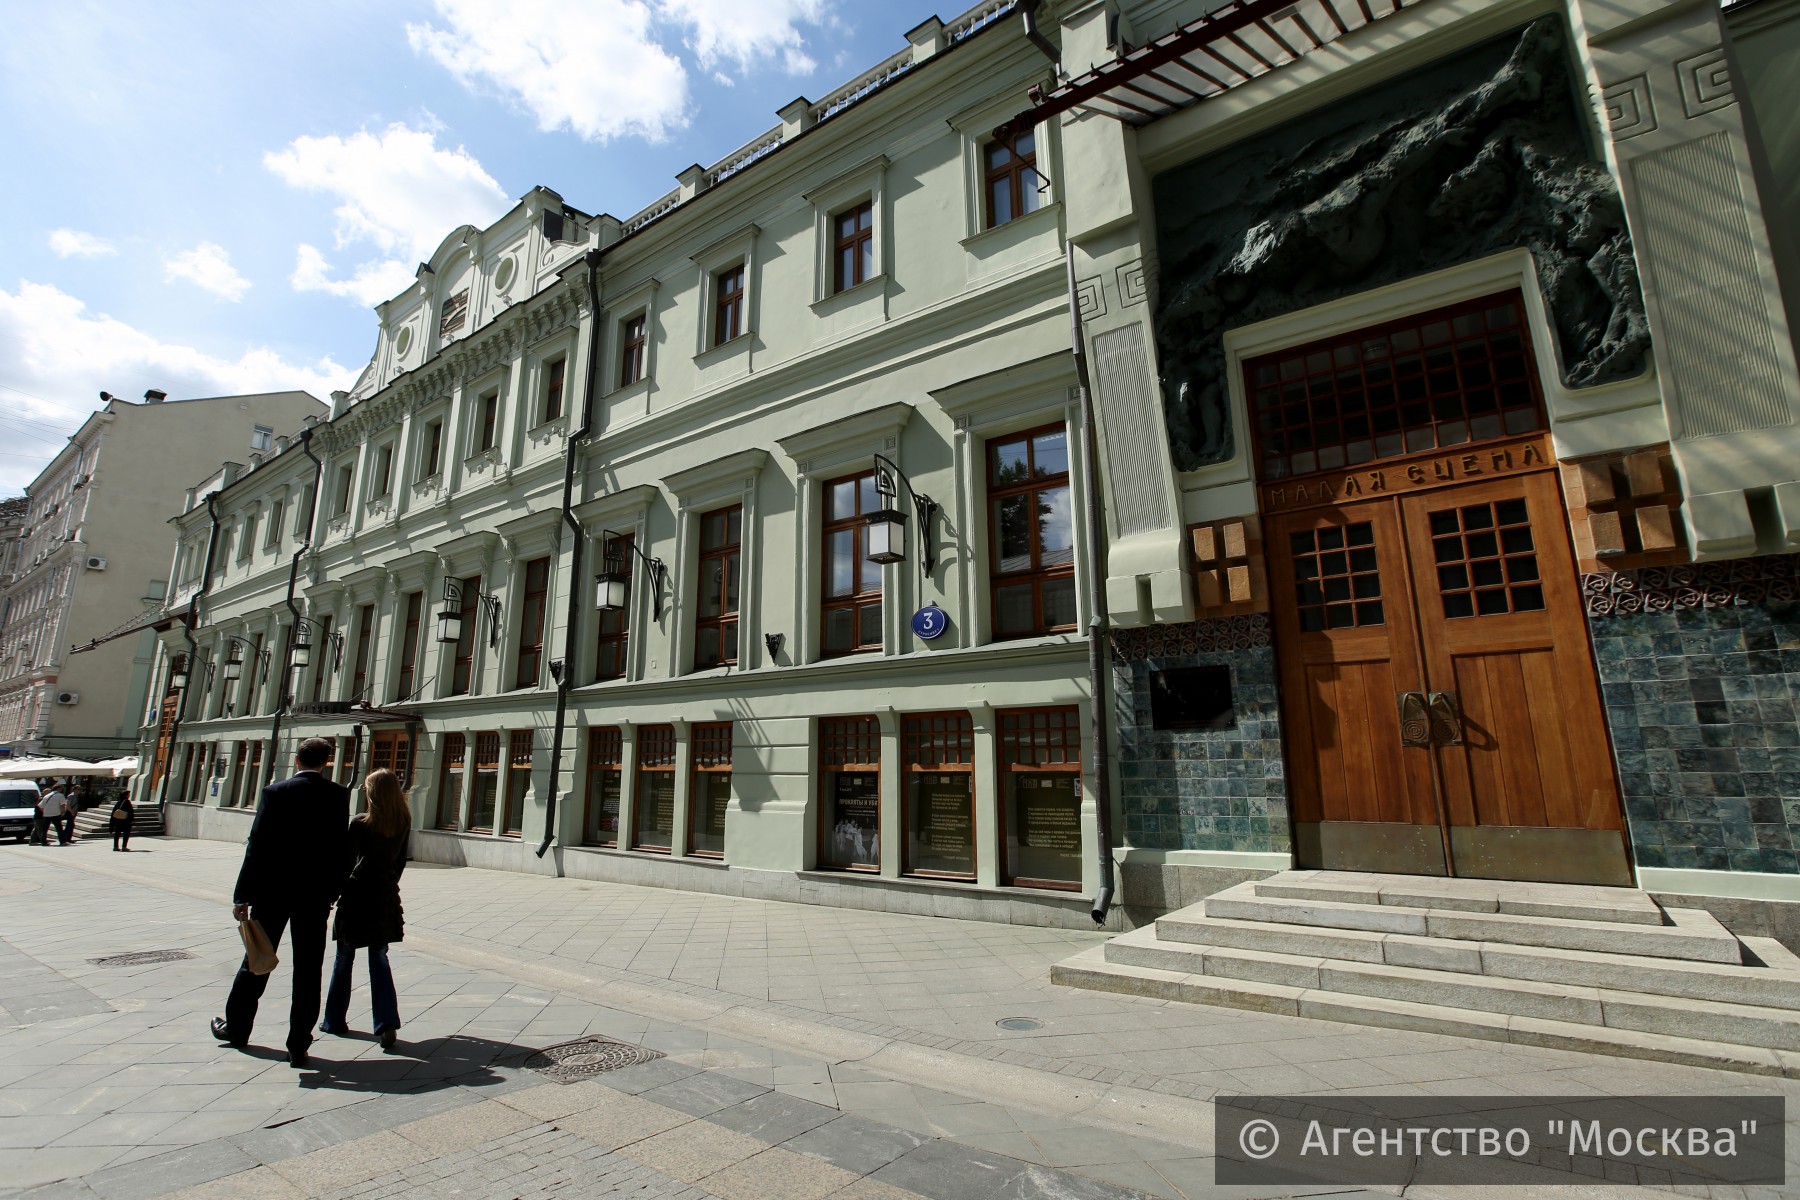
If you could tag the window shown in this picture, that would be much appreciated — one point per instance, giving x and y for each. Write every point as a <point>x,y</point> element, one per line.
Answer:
<point>434,448</point>
<point>710,792</point>
<point>1012,179</point>
<point>365,639</point>
<point>939,795</point>
<point>409,646</point>
<point>247,543</point>
<point>485,790</point>
<point>553,389</point>
<point>455,312</point>
<point>853,235</point>
<point>274,535</point>
<point>615,627</point>
<point>261,438</point>
<point>252,771</point>
<point>303,514</point>
<point>346,477</point>
<point>252,669</point>
<point>490,416</point>
<point>1040,785</point>
<point>384,473</point>
<point>463,666</point>
<point>728,304</point>
<point>531,622</point>
<point>851,615</point>
<point>321,657</point>
<point>1033,533</point>
<point>391,750</point>
<point>716,627</point>
<point>633,349</point>
<point>600,825</point>
<point>449,804</point>
<point>518,781</point>
<point>850,793</point>
<point>653,800</point>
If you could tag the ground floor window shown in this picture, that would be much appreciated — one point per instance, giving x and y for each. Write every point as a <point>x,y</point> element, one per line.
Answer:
<point>939,795</point>
<point>484,790</point>
<point>518,782</point>
<point>710,792</point>
<point>450,787</point>
<point>1040,785</point>
<point>391,750</point>
<point>252,774</point>
<point>850,793</point>
<point>653,822</point>
<point>600,827</point>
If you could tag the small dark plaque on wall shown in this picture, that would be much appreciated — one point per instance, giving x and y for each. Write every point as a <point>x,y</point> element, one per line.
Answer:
<point>1192,698</point>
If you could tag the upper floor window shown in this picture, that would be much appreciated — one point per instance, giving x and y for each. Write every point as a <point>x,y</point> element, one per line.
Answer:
<point>322,656</point>
<point>409,645</point>
<point>716,627</point>
<point>615,624</point>
<point>851,615</point>
<point>633,349</point>
<point>553,389</point>
<point>346,477</point>
<point>462,667</point>
<point>261,438</point>
<point>434,448</point>
<point>854,238</point>
<point>365,641</point>
<point>490,419</point>
<point>384,472</point>
<point>274,536</point>
<point>456,311</point>
<point>247,543</point>
<point>1032,530</point>
<point>303,514</point>
<point>1012,178</point>
<point>531,622</point>
<point>728,304</point>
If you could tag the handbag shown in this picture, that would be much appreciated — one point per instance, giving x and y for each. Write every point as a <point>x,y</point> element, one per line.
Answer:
<point>259,952</point>
<point>121,813</point>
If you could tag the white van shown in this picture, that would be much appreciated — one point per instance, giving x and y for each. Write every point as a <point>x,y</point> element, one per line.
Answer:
<point>18,807</point>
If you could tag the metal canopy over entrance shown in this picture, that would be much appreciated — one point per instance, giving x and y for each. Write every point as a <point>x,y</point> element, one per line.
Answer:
<point>1226,48</point>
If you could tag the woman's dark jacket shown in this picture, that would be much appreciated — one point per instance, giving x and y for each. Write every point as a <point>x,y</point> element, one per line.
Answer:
<point>124,822</point>
<point>368,912</point>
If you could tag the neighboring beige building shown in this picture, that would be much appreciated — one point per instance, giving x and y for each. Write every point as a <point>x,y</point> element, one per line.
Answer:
<point>13,514</point>
<point>92,562</point>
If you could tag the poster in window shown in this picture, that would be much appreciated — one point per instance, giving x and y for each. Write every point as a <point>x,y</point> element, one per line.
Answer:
<point>604,814</point>
<point>854,829</point>
<point>712,795</point>
<point>942,835</point>
<point>656,809</point>
<point>1044,832</point>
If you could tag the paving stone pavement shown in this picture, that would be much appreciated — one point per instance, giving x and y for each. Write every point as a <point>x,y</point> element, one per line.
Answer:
<point>860,1042</point>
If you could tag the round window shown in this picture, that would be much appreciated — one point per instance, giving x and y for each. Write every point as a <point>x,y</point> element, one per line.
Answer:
<point>403,342</point>
<point>503,274</point>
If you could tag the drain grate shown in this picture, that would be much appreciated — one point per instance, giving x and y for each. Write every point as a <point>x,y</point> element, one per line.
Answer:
<point>1019,1023</point>
<point>586,1057</point>
<point>141,958</point>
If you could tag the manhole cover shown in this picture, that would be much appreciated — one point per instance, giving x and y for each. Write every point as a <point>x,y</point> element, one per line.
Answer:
<point>141,958</point>
<point>1019,1023</point>
<point>586,1057</point>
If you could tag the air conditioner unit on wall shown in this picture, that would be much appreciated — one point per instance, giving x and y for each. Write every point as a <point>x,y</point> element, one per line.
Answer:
<point>68,697</point>
<point>96,563</point>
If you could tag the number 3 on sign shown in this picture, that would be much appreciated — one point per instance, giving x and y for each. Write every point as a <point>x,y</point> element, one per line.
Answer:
<point>930,622</point>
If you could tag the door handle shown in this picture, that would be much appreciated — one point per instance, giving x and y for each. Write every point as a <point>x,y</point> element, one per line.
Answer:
<point>1446,719</point>
<point>1415,720</point>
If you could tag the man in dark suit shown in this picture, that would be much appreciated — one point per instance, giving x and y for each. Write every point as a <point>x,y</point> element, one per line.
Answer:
<point>295,863</point>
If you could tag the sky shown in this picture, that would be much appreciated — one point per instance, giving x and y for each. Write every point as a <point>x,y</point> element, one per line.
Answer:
<point>209,198</point>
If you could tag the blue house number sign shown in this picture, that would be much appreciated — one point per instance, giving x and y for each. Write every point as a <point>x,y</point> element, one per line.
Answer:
<point>930,622</point>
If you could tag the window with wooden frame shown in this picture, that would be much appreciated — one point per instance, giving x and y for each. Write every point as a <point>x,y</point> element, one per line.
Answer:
<point>1032,531</point>
<point>384,473</point>
<point>653,797</point>
<point>531,623</point>
<point>1040,790</point>
<point>850,616</point>
<point>709,791</point>
<point>721,558</point>
<point>252,675</point>
<point>600,823</point>
<point>853,243</point>
<point>615,625</point>
<point>728,304</point>
<point>850,793</point>
<point>553,388</point>
<point>518,782</point>
<point>234,782</point>
<point>1011,177</point>
<point>365,645</point>
<point>434,449</point>
<point>484,789</point>
<point>346,478</point>
<point>462,666</point>
<point>321,657</point>
<point>391,749</point>
<point>409,646</point>
<point>938,782</point>
<point>450,782</point>
<point>1437,379</point>
<point>247,543</point>
<point>634,349</point>
<point>273,538</point>
<point>253,773</point>
<point>486,431</point>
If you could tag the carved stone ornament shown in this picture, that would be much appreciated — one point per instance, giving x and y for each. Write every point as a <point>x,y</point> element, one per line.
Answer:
<point>1688,586</point>
<point>1217,636</point>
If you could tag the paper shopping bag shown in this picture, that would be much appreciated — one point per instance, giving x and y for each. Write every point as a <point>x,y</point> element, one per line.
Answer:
<point>258,951</point>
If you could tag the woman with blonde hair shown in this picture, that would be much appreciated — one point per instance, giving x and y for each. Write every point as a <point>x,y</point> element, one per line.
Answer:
<point>368,911</point>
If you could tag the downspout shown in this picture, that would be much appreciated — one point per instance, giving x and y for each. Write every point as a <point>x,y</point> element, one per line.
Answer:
<point>567,674</point>
<point>1097,645</point>
<point>287,675</point>
<point>193,652</point>
<point>1028,10</point>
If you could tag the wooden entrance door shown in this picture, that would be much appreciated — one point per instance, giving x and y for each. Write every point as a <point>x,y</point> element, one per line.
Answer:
<point>1442,708</point>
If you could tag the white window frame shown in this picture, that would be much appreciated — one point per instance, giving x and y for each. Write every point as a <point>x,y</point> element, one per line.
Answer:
<point>698,491</point>
<point>867,182</point>
<point>735,248</point>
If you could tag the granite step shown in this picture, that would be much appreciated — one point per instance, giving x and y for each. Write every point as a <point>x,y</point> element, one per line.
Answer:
<point>1574,902</point>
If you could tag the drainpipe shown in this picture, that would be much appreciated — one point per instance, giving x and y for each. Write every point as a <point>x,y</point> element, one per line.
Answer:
<point>287,675</point>
<point>567,674</point>
<point>1028,10</point>
<point>193,651</point>
<point>1097,647</point>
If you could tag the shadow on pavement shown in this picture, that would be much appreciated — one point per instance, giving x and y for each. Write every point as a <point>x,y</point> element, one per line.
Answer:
<point>411,1067</point>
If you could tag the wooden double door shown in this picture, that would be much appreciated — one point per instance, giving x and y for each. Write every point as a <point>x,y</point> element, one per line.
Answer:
<point>1442,710</point>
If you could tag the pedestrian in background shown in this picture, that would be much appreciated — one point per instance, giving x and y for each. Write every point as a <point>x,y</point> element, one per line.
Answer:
<point>47,810</point>
<point>369,912</point>
<point>120,822</point>
<point>54,807</point>
<point>295,862</point>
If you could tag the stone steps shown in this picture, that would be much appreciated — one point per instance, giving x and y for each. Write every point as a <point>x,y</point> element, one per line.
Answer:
<point>96,822</point>
<point>1603,969</point>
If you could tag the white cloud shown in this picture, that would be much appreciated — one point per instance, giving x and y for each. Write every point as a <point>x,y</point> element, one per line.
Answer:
<point>66,354</point>
<point>373,282</point>
<point>209,268</point>
<point>399,192</point>
<point>748,32</point>
<point>72,243</point>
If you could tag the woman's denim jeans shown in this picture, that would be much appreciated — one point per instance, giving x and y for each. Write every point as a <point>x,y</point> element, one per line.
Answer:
<point>381,989</point>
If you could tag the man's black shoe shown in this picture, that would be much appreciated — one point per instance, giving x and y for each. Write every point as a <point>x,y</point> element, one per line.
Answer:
<point>224,1035</point>
<point>387,1039</point>
<point>298,1059</point>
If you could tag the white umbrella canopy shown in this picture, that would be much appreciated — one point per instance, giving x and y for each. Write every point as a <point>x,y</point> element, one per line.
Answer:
<point>118,768</point>
<point>35,768</point>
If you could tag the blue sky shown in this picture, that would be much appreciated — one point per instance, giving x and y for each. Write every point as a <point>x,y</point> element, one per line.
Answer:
<point>208,198</point>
